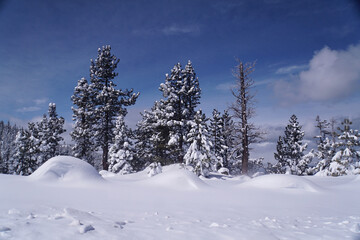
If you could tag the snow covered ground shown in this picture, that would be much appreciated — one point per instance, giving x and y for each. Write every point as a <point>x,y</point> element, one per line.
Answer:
<point>68,199</point>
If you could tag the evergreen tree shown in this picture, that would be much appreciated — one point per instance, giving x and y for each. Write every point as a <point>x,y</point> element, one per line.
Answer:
<point>290,150</point>
<point>121,152</point>
<point>7,147</point>
<point>51,129</point>
<point>144,154</point>
<point>217,137</point>
<point>227,146</point>
<point>182,94</point>
<point>325,146</point>
<point>26,162</point>
<point>46,135</point>
<point>199,154</point>
<point>347,158</point>
<point>191,90</point>
<point>280,156</point>
<point>221,131</point>
<point>83,115</point>
<point>109,102</point>
<point>153,135</point>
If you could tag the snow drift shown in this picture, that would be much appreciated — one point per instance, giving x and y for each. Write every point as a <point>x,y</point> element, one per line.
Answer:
<point>64,168</point>
<point>281,181</point>
<point>177,177</point>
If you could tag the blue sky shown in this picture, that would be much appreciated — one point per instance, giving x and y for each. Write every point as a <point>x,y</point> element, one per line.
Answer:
<point>307,53</point>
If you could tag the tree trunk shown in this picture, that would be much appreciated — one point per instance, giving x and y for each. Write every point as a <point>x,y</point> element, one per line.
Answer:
<point>244,123</point>
<point>106,142</point>
<point>105,158</point>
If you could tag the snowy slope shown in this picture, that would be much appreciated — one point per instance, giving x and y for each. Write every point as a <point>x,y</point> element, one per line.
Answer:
<point>52,204</point>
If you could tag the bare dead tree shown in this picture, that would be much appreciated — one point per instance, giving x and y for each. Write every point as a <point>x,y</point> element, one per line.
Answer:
<point>243,110</point>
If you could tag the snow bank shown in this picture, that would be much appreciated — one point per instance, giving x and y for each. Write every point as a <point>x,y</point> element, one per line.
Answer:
<point>64,168</point>
<point>281,181</point>
<point>178,178</point>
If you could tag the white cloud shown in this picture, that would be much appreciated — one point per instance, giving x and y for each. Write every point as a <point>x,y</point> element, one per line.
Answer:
<point>169,30</point>
<point>41,101</point>
<point>225,86</point>
<point>332,74</point>
<point>176,30</point>
<point>28,109</point>
<point>291,69</point>
<point>38,106</point>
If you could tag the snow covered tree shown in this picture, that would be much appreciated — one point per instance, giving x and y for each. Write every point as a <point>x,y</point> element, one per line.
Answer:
<point>290,150</point>
<point>153,135</point>
<point>83,115</point>
<point>243,111</point>
<point>26,162</point>
<point>8,134</point>
<point>228,146</point>
<point>51,131</point>
<point>280,156</point>
<point>191,91</point>
<point>121,151</point>
<point>199,154</point>
<point>347,158</point>
<point>109,102</point>
<point>46,135</point>
<point>182,94</point>
<point>325,145</point>
<point>221,133</point>
<point>216,126</point>
<point>143,145</point>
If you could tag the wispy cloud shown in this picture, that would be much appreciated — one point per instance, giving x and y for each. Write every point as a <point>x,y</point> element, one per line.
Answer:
<point>38,103</point>
<point>230,85</point>
<point>263,82</point>
<point>291,69</point>
<point>175,29</point>
<point>225,86</point>
<point>332,74</point>
<point>28,109</point>
<point>41,101</point>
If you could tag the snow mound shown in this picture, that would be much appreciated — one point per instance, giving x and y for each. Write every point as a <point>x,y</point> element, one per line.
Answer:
<point>68,169</point>
<point>282,181</point>
<point>177,177</point>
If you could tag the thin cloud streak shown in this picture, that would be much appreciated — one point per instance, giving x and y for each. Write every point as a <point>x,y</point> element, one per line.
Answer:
<point>28,109</point>
<point>291,69</point>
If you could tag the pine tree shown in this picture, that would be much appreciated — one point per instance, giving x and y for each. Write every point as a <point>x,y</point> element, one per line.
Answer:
<point>243,111</point>
<point>8,134</point>
<point>153,135</point>
<point>228,141</point>
<point>325,146</point>
<point>46,135</point>
<point>347,158</point>
<point>83,115</point>
<point>217,137</point>
<point>51,130</point>
<point>121,152</point>
<point>144,154</point>
<point>26,162</point>
<point>280,156</point>
<point>191,91</point>
<point>199,154</point>
<point>290,150</point>
<point>109,102</point>
<point>54,131</point>
<point>221,131</point>
<point>182,95</point>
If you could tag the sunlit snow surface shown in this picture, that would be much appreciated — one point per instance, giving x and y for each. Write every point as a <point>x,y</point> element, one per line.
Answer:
<point>67,199</point>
